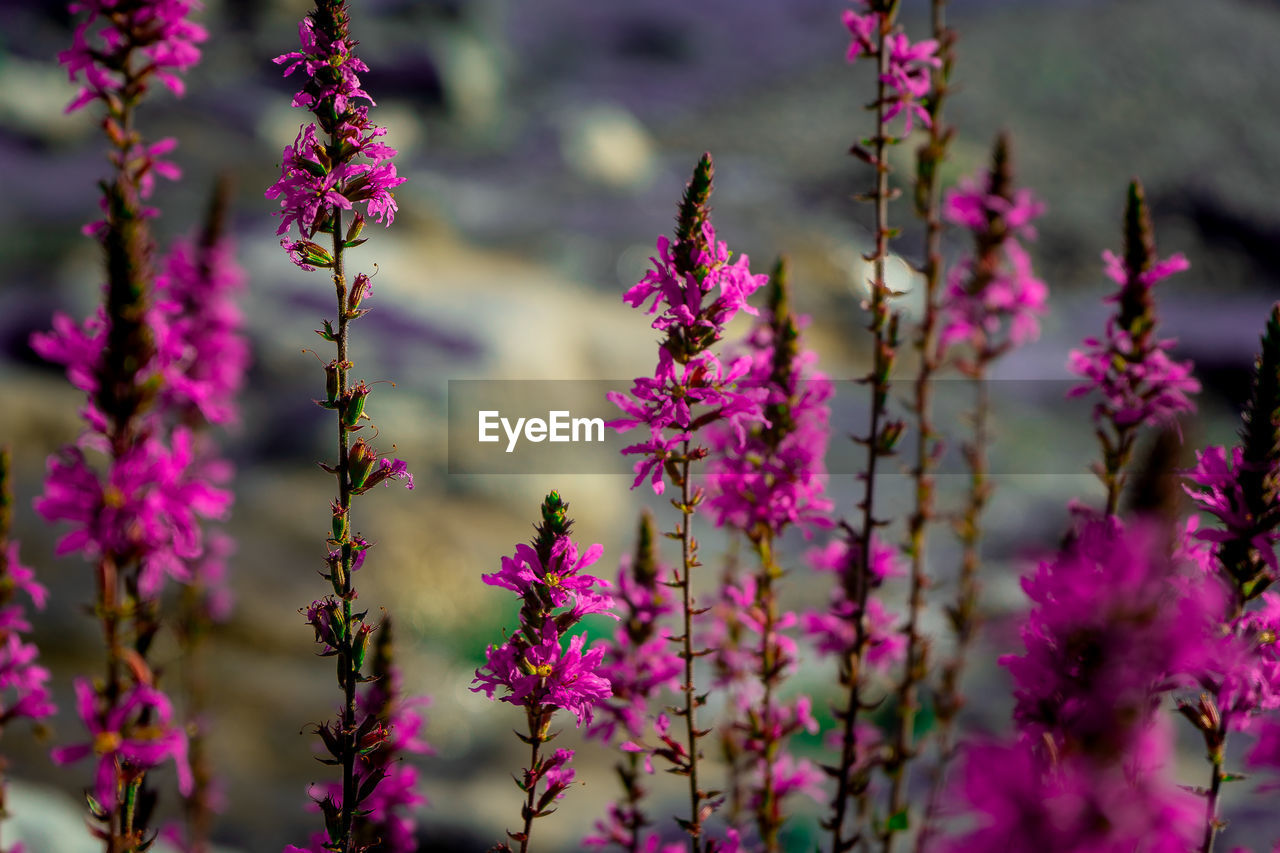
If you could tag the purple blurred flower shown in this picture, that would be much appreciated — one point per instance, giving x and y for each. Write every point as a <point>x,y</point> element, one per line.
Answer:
<point>122,743</point>
<point>909,63</point>
<point>1130,368</point>
<point>1025,805</point>
<point>158,29</point>
<point>1114,624</point>
<point>147,510</point>
<point>993,300</point>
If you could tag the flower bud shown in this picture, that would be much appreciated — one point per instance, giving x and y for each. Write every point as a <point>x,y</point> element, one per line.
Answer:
<point>359,290</point>
<point>331,382</point>
<point>360,647</point>
<point>325,617</point>
<point>353,404</point>
<point>361,459</point>
<point>341,522</point>
<point>353,231</point>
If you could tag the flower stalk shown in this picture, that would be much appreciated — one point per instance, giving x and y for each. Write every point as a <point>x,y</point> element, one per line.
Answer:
<point>902,78</point>
<point>347,170</point>
<point>928,207</point>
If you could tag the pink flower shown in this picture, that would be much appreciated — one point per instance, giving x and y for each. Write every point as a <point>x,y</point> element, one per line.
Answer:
<point>1218,489</point>
<point>312,185</point>
<point>993,299</point>
<point>682,296</point>
<point>545,674</point>
<point>561,579</point>
<point>147,510</point>
<point>1114,624</point>
<point>1130,368</point>
<point>909,63</point>
<point>1024,805</point>
<point>775,475</point>
<point>121,741</point>
<point>158,29</point>
<point>203,351</point>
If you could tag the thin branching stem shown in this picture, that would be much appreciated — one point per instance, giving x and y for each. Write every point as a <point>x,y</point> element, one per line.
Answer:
<point>856,586</point>
<point>688,559</point>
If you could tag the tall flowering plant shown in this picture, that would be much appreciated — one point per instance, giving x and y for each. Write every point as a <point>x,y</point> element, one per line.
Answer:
<point>534,668</point>
<point>771,480</point>
<point>1129,368</point>
<point>639,663</point>
<point>1238,489</point>
<point>137,483</point>
<point>930,155</point>
<point>338,165</point>
<point>991,306</point>
<point>903,82</point>
<point>695,290</point>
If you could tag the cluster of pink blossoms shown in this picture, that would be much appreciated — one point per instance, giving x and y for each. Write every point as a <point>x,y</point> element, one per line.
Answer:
<point>993,299</point>
<point>533,668</point>
<point>1115,625</point>
<point>101,61</point>
<point>690,387</point>
<point>352,168</point>
<point>127,738</point>
<point>24,690</point>
<point>775,476</point>
<point>908,76</point>
<point>833,630</point>
<point>112,30</point>
<point>148,505</point>
<point>1129,368</point>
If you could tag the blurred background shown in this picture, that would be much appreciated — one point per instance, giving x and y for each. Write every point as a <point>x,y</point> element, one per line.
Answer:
<point>546,145</point>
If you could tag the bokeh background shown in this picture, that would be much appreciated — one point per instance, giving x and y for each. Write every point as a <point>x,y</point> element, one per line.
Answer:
<point>546,144</point>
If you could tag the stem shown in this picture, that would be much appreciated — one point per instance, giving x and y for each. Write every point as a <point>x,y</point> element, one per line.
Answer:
<point>856,586</point>
<point>688,561</point>
<point>634,822</point>
<point>964,621</point>
<point>1215,786</point>
<point>915,665</point>
<point>1115,458</point>
<point>768,812</point>
<point>536,722</point>
<point>344,501</point>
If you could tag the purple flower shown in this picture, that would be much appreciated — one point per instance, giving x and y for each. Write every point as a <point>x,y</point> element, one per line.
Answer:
<point>1114,624</point>
<point>909,63</point>
<point>682,295</point>
<point>833,630</point>
<point>122,743</point>
<point>1024,805</point>
<point>546,674</point>
<point>1129,367</point>
<point>972,205</point>
<point>203,352</point>
<point>158,29</point>
<point>775,475</point>
<point>993,299</point>
<point>1218,489</point>
<point>330,66</point>
<point>561,578</point>
<point>313,185</point>
<point>147,510</point>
